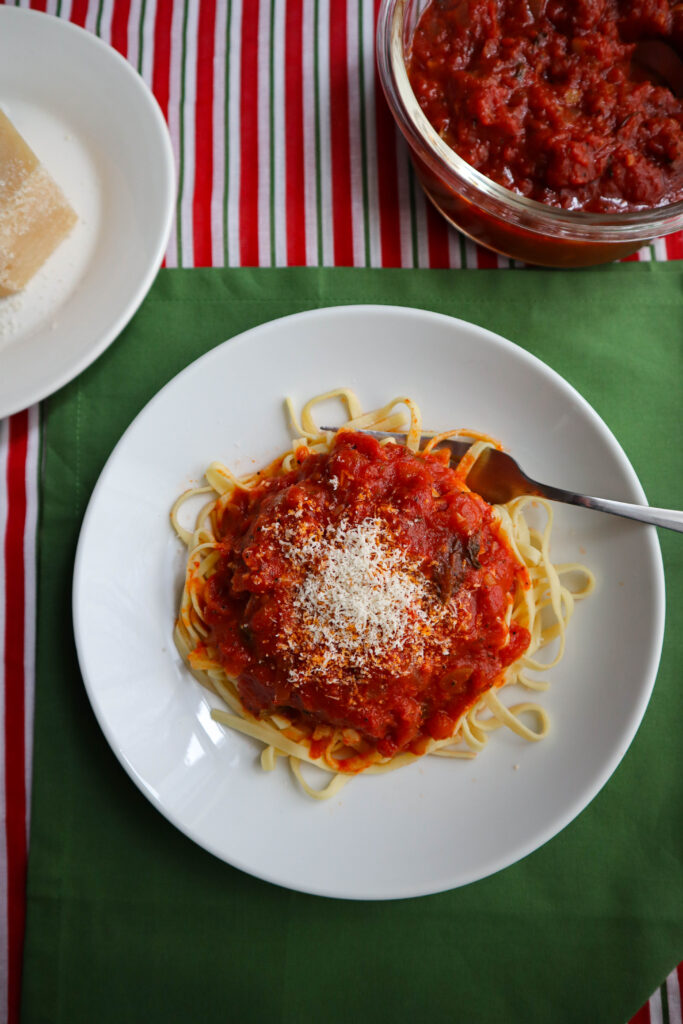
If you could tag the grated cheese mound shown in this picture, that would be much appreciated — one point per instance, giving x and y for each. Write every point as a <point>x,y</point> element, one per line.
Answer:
<point>361,600</point>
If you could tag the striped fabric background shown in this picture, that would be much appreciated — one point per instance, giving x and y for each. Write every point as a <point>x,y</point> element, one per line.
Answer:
<point>286,155</point>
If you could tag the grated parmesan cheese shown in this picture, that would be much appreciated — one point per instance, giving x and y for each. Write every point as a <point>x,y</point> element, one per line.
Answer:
<point>361,600</point>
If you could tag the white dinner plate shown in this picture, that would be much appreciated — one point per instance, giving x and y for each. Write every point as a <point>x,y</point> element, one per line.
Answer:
<point>98,130</point>
<point>436,824</point>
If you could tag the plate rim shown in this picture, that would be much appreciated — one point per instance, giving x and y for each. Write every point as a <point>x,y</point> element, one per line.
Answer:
<point>30,394</point>
<point>635,717</point>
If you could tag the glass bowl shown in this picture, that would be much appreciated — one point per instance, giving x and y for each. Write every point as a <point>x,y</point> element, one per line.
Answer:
<point>489,213</point>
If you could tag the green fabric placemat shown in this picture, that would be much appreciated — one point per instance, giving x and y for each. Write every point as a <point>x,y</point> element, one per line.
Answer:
<point>130,921</point>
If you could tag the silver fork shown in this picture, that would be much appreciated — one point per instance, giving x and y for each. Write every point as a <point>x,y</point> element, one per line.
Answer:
<point>497,478</point>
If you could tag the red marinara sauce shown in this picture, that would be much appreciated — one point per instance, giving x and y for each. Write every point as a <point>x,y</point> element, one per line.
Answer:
<point>366,589</point>
<point>550,98</point>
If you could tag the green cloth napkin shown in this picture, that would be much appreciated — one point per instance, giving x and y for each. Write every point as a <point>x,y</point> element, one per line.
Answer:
<point>129,921</point>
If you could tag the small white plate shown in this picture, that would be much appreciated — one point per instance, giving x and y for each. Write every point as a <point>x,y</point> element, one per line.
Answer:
<point>436,824</point>
<point>98,130</point>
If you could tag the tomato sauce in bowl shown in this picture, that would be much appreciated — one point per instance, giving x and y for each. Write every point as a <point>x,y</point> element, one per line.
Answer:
<point>548,97</point>
<point>545,130</point>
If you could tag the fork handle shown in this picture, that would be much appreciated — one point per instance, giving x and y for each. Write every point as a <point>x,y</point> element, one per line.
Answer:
<point>670,519</point>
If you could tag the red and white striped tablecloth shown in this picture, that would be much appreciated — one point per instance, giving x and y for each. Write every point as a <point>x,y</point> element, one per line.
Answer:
<point>286,155</point>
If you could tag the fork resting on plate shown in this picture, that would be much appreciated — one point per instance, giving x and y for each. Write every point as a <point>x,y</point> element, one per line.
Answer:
<point>498,478</point>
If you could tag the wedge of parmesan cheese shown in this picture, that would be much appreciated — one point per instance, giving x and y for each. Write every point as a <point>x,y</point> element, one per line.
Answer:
<point>35,216</point>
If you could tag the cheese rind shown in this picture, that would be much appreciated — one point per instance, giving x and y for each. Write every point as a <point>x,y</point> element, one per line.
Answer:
<point>35,216</point>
